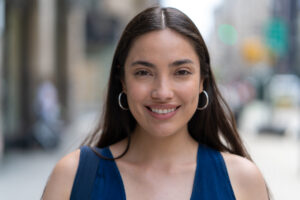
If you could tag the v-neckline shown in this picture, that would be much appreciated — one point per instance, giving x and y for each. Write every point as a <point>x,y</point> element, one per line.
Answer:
<point>121,183</point>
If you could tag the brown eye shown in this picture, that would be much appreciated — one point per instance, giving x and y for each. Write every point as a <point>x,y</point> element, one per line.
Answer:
<point>142,73</point>
<point>183,72</point>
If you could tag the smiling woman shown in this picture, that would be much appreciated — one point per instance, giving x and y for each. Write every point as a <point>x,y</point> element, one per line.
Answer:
<point>162,83</point>
<point>166,132</point>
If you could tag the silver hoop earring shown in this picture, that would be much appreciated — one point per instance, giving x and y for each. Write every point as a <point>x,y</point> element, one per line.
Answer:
<point>119,101</point>
<point>207,100</point>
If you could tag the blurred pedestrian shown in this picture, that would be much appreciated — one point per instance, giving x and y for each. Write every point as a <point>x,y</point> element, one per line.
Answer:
<point>47,127</point>
<point>166,132</point>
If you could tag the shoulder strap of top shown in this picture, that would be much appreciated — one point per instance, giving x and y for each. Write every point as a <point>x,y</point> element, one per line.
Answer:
<point>86,173</point>
<point>211,176</point>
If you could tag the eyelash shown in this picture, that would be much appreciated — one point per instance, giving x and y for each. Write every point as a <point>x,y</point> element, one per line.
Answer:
<point>142,73</point>
<point>183,72</point>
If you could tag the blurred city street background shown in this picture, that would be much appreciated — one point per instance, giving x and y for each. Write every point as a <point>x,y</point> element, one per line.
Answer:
<point>55,58</point>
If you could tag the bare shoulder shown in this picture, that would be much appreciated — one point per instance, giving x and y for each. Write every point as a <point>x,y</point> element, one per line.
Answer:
<point>245,177</point>
<point>61,180</point>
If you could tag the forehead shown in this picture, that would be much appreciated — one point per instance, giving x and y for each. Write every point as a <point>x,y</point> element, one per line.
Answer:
<point>162,46</point>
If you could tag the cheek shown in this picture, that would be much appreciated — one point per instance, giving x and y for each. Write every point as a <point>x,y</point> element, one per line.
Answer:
<point>193,96</point>
<point>190,91</point>
<point>135,92</point>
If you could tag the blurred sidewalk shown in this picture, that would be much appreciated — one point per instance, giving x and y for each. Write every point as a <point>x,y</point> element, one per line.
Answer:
<point>278,158</point>
<point>23,175</point>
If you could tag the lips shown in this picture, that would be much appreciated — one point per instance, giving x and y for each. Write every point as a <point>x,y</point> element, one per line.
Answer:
<point>162,111</point>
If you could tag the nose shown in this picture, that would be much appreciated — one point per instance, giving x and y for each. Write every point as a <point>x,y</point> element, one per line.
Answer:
<point>162,89</point>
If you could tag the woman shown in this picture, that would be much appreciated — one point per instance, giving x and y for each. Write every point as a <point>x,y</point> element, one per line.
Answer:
<point>167,132</point>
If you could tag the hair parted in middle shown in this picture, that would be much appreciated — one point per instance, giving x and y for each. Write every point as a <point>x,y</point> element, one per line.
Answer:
<point>214,126</point>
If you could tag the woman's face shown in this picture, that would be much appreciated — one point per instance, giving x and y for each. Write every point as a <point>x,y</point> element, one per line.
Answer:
<point>162,82</point>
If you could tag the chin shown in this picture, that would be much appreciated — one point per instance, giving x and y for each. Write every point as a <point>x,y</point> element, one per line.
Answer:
<point>164,132</point>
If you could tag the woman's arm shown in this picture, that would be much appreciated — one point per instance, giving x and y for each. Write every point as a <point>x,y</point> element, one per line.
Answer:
<point>61,180</point>
<point>246,180</point>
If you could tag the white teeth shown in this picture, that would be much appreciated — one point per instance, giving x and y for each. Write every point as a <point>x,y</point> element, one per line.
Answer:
<point>162,111</point>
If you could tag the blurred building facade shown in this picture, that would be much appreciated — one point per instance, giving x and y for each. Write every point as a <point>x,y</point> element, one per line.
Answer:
<point>288,12</point>
<point>238,50</point>
<point>2,14</point>
<point>51,57</point>
<point>254,34</point>
<point>238,23</point>
<point>251,41</point>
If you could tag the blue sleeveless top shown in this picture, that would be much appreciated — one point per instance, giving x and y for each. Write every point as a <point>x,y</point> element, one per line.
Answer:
<point>100,179</point>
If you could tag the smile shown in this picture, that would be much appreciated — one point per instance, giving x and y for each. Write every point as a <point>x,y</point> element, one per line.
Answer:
<point>162,111</point>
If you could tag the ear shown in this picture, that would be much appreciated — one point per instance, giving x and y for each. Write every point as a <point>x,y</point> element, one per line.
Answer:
<point>122,81</point>
<point>201,86</point>
<point>124,89</point>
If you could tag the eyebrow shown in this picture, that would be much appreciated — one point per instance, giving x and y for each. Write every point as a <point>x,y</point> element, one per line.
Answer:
<point>144,63</point>
<point>174,64</point>
<point>181,62</point>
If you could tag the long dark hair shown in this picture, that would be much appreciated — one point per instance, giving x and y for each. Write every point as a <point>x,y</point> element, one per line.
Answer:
<point>215,126</point>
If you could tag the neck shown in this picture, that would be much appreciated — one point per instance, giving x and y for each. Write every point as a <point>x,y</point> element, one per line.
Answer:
<point>146,148</point>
